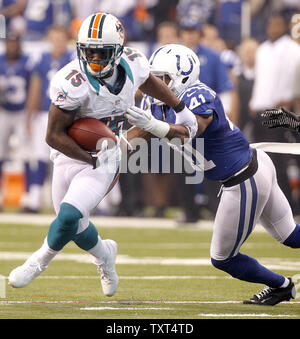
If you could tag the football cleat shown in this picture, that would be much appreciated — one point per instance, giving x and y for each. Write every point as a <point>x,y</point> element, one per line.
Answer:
<point>107,270</point>
<point>272,296</point>
<point>23,275</point>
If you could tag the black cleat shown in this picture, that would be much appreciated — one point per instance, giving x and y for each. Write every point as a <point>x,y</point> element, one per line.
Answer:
<point>272,296</point>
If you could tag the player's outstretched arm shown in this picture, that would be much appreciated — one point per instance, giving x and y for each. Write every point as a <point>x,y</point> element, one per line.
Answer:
<point>58,123</point>
<point>273,118</point>
<point>186,124</point>
<point>156,88</point>
<point>145,121</point>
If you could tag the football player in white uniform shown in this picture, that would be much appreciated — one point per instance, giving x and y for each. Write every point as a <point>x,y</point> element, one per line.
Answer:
<point>101,84</point>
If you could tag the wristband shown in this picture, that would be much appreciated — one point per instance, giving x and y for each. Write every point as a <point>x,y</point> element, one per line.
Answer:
<point>179,107</point>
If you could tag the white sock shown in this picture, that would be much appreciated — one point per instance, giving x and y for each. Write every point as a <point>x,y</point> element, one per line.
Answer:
<point>35,197</point>
<point>99,251</point>
<point>286,283</point>
<point>45,254</point>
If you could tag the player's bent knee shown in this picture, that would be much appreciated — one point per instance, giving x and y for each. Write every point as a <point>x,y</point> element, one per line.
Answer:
<point>64,227</point>
<point>68,216</point>
<point>219,264</point>
<point>230,266</point>
<point>293,239</point>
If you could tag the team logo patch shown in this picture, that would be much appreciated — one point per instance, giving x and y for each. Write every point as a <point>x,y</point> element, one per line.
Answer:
<point>120,29</point>
<point>61,96</point>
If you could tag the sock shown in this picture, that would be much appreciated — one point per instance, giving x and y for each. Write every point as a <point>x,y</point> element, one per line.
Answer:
<point>293,239</point>
<point>64,228</point>
<point>34,197</point>
<point>99,251</point>
<point>45,254</point>
<point>286,283</point>
<point>87,239</point>
<point>35,179</point>
<point>40,173</point>
<point>248,269</point>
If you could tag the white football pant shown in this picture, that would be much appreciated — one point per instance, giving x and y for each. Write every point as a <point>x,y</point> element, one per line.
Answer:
<point>259,199</point>
<point>78,184</point>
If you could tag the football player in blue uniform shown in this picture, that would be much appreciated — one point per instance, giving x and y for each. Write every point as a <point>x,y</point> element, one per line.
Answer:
<point>10,9</point>
<point>250,192</point>
<point>41,15</point>
<point>214,74</point>
<point>37,113</point>
<point>15,72</point>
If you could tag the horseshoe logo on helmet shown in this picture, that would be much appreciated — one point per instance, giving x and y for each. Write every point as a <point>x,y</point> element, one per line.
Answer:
<point>179,68</point>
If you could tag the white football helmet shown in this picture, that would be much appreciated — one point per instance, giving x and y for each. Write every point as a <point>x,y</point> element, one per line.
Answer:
<point>105,33</point>
<point>180,63</point>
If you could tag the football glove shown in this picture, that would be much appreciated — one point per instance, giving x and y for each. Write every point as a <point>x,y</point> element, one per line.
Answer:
<point>109,156</point>
<point>280,118</point>
<point>188,119</point>
<point>146,121</point>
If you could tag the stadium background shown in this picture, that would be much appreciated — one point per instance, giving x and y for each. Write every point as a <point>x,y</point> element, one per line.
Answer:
<point>234,30</point>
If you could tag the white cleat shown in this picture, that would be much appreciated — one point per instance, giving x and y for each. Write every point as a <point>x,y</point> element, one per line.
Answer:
<point>107,270</point>
<point>23,275</point>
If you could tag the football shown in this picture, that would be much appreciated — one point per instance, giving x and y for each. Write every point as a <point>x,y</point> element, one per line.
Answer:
<point>88,132</point>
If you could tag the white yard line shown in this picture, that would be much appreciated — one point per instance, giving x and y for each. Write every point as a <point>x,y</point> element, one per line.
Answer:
<point>124,308</point>
<point>153,277</point>
<point>128,302</point>
<point>271,263</point>
<point>110,222</point>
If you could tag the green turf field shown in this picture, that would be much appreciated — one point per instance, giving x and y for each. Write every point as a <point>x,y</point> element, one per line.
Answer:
<point>164,274</point>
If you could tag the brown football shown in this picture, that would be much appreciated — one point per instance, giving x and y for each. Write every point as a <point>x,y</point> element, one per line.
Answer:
<point>88,133</point>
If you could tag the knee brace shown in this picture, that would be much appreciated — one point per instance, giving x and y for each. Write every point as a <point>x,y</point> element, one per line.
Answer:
<point>64,227</point>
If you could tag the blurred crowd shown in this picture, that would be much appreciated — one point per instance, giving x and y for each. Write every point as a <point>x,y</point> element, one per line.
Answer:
<point>249,52</point>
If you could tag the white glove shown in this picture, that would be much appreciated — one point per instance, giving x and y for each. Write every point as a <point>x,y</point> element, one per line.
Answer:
<point>146,121</point>
<point>107,158</point>
<point>188,119</point>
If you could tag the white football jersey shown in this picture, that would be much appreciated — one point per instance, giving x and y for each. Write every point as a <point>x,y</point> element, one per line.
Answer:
<point>75,90</point>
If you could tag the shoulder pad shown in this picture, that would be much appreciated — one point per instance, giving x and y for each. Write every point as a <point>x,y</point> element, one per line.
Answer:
<point>69,87</point>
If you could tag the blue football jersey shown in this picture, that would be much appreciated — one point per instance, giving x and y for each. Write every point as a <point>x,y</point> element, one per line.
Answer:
<point>46,68</point>
<point>42,14</point>
<point>4,4</point>
<point>226,149</point>
<point>14,82</point>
